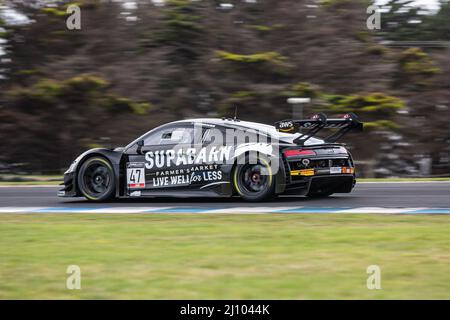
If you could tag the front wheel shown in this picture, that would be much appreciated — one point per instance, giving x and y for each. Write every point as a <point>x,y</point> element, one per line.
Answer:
<point>254,181</point>
<point>96,179</point>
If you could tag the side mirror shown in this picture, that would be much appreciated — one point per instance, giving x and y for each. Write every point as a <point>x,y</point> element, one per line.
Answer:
<point>140,144</point>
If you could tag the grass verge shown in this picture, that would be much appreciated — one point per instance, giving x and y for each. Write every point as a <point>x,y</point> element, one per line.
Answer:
<point>14,180</point>
<point>30,183</point>
<point>224,256</point>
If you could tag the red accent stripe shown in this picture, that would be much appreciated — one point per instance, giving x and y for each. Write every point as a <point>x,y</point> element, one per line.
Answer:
<point>294,153</point>
<point>137,185</point>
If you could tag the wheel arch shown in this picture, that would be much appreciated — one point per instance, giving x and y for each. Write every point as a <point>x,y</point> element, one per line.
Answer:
<point>279,176</point>
<point>113,157</point>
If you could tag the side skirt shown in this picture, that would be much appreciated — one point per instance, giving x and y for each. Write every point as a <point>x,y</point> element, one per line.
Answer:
<point>175,194</point>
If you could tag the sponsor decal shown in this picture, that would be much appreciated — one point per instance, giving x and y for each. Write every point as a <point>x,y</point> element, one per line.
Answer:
<point>136,175</point>
<point>306,162</point>
<point>186,177</point>
<point>286,126</point>
<point>181,157</point>
<point>304,172</point>
<point>135,194</point>
<point>335,170</point>
<point>311,172</point>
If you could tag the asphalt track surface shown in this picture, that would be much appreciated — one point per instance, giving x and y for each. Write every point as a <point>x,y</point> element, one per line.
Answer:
<point>386,195</point>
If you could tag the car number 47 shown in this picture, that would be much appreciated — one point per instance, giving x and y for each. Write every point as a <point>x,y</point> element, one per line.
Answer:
<point>136,177</point>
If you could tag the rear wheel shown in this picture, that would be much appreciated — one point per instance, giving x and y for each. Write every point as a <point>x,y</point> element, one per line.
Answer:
<point>254,180</point>
<point>96,179</point>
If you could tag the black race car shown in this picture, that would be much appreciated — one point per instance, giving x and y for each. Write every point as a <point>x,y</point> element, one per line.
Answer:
<point>220,157</point>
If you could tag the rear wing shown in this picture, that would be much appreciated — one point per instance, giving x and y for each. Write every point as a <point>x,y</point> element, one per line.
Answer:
<point>349,122</point>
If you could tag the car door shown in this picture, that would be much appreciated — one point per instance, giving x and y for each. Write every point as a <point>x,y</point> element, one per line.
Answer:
<point>162,162</point>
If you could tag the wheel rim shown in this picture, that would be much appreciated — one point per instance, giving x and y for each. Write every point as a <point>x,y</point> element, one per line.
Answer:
<point>96,179</point>
<point>253,178</point>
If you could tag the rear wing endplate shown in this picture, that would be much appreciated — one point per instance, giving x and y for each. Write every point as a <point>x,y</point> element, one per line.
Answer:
<point>348,122</point>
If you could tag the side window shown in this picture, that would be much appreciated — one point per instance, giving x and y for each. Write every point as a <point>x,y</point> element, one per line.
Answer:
<point>214,136</point>
<point>206,136</point>
<point>170,135</point>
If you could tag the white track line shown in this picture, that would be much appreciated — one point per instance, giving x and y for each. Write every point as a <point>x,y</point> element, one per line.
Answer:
<point>248,210</point>
<point>126,210</point>
<point>20,209</point>
<point>378,210</point>
<point>229,210</point>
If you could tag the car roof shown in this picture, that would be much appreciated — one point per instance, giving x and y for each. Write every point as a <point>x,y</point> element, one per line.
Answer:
<point>233,123</point>
<point>264,128</point>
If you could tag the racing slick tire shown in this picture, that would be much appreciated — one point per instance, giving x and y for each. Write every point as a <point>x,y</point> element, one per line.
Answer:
<point>253,180</point>
<point>96,180</point>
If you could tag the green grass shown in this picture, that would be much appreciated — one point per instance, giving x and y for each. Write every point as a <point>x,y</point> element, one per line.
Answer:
<point>14,180</point>
<point>33,177</point>
<point>30,183</point>
<point>224,256</point>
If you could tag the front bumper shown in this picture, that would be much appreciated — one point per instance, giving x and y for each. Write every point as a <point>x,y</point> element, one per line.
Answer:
<point>69,186</point>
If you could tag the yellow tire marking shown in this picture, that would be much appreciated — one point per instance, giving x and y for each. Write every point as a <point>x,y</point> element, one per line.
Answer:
<point>235,176</point>
<point>107,164</point>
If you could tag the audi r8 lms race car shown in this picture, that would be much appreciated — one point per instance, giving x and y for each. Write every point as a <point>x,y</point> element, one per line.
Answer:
<point>220,157</point>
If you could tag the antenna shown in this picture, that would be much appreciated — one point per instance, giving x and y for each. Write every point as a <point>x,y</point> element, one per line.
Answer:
<point>235,112</point>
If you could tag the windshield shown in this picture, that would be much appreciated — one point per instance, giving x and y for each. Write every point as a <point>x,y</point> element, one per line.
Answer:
<point>132,143</point>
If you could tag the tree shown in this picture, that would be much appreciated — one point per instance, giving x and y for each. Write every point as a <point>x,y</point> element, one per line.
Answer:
<point>406,21</point>
<point>401,20</point>
<point>437,27</point>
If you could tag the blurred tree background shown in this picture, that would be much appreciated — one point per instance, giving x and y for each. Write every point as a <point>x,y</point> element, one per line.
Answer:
<point>136,65</point>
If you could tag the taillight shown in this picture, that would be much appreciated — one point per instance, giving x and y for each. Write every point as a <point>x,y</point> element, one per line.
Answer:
<point>295,153</point>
